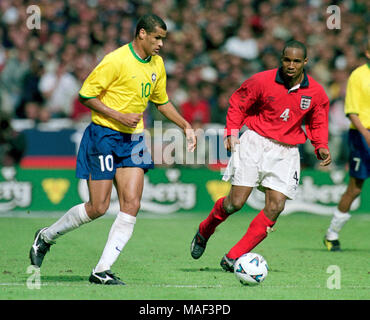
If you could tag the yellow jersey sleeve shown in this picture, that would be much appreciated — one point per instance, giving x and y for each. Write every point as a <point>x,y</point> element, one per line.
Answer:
<point>358,95</point>
<point>351,105</point>
<point>100,78</point>
<point>159,95</point>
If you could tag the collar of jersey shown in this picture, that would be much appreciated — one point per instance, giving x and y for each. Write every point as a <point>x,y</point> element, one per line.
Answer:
<point>279,79</point>
<point>136,56</point>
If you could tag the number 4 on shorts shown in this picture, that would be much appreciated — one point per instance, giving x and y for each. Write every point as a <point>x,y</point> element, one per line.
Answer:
<point>295,177</point>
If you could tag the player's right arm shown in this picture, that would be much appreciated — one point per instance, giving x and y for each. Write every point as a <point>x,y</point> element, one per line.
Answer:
<point>98,81</point>
<point>240,101</point>
<point>129,119</point>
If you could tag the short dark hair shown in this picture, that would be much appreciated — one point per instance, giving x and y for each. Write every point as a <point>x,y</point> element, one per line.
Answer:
<point>295,44</point>
<point>148,22</point>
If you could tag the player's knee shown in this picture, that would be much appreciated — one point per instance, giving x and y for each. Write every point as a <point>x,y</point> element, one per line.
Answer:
<point>354,192</point>
<point>99,209</point>
<point>233,206</point>
<point>131,205</point>
<point>354,188</point>
<point>273,209</point>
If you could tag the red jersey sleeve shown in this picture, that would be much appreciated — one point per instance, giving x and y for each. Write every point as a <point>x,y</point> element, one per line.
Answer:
<point>317,125</point>
<point>240,102</point>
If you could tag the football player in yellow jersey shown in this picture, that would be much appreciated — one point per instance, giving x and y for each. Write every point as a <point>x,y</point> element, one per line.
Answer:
<point>117,91</point>
<point>357,108</point>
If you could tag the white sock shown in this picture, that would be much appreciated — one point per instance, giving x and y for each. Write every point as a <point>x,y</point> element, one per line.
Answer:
<point>74,217</point>
<point>120,233</point>
<point>337,222</point>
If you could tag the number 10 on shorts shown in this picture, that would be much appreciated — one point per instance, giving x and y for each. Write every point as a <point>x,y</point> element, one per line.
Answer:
<point>106,162</point>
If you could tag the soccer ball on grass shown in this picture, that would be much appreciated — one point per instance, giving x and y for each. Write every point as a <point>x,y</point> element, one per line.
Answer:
<point>251,269</point>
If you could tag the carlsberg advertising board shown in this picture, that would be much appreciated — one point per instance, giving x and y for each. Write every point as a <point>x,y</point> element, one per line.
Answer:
<point>166,191</point>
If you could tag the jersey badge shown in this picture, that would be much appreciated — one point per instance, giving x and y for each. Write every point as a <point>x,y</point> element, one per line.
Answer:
<point>305,102</point>
<point>154,76</point>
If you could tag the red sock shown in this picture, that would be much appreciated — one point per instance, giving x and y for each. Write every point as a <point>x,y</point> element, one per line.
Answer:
<point>218,214</point>
<point>257,231</point>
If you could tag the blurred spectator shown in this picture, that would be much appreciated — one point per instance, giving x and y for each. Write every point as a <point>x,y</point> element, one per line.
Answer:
<point>12,144</point>
<point>32,110</point>
<point>270,59</point>
<point>59,89</point>
<point>208,93</point>
<point>219,114</point>
<point>214,36</point>
<point>30,87</point>
<point>211,45</point>
<point>176,91</point>
<point>37,112</point>
<point>243,45</point>
<point>196,109</point>
<point>11,78</point>
<point>338,131</point>
<point>79,111</point>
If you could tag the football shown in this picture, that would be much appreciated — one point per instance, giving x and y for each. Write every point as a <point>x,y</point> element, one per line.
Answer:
<point>251,269</point>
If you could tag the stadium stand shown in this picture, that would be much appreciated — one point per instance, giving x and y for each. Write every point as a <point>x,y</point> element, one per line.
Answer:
<point>42,69</point>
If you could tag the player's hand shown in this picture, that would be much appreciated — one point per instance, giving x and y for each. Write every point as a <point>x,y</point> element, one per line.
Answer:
<point>325,155</point>
<point>230,143</point>
<point>131,119</point>
<point>191,139</point>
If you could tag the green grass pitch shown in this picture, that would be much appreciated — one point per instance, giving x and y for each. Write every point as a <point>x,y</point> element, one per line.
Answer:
<point>156,263</point>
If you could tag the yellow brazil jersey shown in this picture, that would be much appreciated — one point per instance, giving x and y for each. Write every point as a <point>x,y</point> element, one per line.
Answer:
<point>358,95</point>
<point>125,82</point>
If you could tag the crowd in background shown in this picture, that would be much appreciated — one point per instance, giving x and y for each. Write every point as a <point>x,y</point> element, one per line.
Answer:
<point>211,48</point>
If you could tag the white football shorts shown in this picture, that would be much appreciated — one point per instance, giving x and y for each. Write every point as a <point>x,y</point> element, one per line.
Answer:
<point>264,163</point>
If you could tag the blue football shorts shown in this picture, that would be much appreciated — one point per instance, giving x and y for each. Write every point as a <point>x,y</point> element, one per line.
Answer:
<point>359,155</point>
<point>103,150</point>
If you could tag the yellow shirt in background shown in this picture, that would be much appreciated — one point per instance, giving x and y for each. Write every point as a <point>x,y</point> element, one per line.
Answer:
<point>125,82</point>
<point>358,95</point>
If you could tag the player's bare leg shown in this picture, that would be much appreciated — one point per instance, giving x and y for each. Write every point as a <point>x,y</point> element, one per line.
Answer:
<point>341,213</point>
<point>353,191</point>
<point>236,199</point>
<point>129,183</point>
<point>99,197</point>
<point>274,204</point>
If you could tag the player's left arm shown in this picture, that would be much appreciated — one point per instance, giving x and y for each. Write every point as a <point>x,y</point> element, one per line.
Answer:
<point>170,112</point>
<point>317,129</point>
<point>160,98</point>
